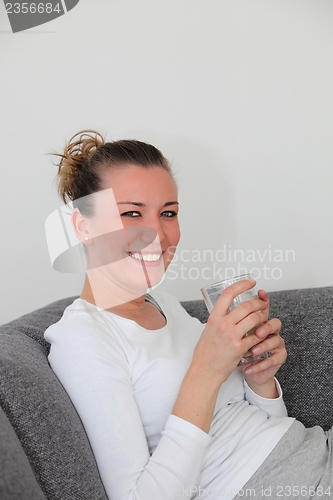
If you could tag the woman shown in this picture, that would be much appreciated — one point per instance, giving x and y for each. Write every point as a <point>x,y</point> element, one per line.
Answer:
<point>167,410</point>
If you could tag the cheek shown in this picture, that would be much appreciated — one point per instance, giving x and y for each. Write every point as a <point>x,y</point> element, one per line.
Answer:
<point>173,240</point>
<point>176,235</point>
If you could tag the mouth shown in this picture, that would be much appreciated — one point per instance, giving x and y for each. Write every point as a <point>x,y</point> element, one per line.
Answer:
<point>146,257</point>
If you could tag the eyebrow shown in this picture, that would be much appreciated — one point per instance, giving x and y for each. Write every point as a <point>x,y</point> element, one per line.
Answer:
<point>139,204</point>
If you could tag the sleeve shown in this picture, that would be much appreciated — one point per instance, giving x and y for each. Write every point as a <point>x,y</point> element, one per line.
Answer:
<point>273,407</point>
<point>95,373</point>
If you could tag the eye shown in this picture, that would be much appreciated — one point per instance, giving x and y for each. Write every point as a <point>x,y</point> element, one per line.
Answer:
<point>131,214</point>
<point>169,214</point>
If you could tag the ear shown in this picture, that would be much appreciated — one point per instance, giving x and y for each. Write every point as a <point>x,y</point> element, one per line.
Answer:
<point>81,227</point>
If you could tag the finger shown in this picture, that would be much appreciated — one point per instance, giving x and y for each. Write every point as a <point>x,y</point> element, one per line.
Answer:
<point>274,362</point>
<point>271,343</point>
<point>263,296</point>
<point>250,307</point>
<point>227,296</point>
<point>249,343</point>
<point>273,326</point>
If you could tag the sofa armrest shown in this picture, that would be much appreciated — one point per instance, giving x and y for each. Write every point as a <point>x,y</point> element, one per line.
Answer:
<point>17,479</point>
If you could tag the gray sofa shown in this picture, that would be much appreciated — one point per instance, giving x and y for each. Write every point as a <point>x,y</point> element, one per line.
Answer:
<point>44,451</point>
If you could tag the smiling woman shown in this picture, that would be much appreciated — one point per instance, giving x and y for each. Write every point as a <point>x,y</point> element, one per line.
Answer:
<point>125,214</point>
<point>167,410</point>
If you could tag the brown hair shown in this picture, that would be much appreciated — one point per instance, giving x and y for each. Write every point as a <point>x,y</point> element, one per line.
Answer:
<point>87,156</point>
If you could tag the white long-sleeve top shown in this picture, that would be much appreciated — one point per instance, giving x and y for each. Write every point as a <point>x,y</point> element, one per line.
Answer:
<point>124,381</point>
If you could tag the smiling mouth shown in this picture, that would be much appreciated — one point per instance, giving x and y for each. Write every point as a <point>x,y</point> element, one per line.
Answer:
<point>146,257</point>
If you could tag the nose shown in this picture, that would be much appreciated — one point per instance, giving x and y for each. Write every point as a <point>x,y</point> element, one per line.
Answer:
<point>152,232</point>
<point>140,237</point>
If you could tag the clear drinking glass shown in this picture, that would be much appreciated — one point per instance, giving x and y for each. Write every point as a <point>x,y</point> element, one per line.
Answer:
<point>212,292</point>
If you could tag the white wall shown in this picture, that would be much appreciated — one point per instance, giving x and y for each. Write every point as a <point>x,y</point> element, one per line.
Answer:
<point>238,95</point>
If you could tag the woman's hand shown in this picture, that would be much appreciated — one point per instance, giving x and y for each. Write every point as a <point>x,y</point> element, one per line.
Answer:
<point>260,375</point>
<point>217,353</point>
<point>222,343</point>
<point>221,346</point>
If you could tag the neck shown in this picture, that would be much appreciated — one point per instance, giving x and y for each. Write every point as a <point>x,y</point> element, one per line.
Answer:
<point>100,291</point>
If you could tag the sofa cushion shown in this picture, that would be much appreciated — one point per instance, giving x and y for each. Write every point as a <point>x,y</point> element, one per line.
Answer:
<point>307,375</point>
<point>41,413</point>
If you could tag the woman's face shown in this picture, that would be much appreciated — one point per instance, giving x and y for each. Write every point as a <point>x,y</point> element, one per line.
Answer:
<point>135,229</point>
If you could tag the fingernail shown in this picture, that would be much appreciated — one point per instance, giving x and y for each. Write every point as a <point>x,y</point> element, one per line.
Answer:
<point>261,331</point>
<point>255,350</point>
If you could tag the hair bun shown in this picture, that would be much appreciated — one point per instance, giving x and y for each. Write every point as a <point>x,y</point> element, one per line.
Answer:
<point>79,149</point>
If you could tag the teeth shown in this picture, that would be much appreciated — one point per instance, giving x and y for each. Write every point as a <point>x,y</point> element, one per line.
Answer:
<point>151,257</point>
